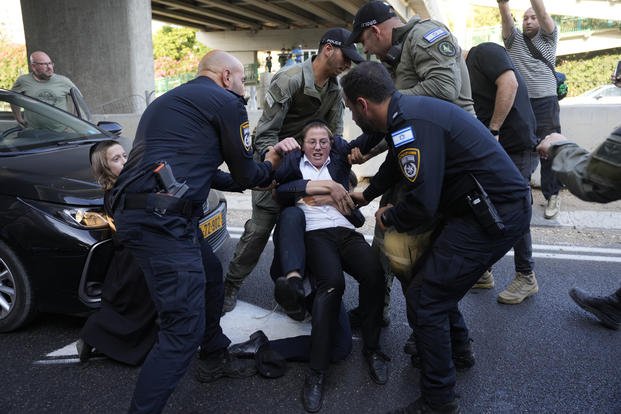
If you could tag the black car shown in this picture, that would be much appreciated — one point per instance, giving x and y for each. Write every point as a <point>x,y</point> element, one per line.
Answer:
<point>54,238</point>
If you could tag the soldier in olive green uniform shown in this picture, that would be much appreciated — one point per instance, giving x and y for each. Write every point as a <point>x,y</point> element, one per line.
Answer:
<point>296,95</point>
<point>591,177</point>
<point>423,58</point>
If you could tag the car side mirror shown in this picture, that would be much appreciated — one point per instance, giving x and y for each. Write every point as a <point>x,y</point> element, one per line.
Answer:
<point>110,126</point>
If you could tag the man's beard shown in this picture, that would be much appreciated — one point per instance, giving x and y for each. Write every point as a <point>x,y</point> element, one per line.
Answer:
<point>43,76</point>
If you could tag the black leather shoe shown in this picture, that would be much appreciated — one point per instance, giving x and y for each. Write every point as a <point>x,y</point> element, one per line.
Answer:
<point>607,309</point>
<point>312,393</point>
<point>421,407</point>
<point>289,294</point>
<point>249,348</point>
<point>224,365</point>
<point>84,350</point>
<point>378,365</point>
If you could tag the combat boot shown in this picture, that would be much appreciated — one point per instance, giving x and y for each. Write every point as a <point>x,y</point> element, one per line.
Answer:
<point>522,286</point>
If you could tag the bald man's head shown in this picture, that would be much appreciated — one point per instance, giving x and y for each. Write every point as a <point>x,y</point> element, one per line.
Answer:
<point>41,65</point>
<point>224,69</point>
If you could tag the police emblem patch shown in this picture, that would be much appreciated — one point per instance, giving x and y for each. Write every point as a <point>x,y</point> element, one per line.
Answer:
<point>244,134</point>
<point>409,161</point>
<point>447,48</point>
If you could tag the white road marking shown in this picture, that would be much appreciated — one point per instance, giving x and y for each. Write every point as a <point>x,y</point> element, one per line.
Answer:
<point>558,252</point>
<point>238,325</point>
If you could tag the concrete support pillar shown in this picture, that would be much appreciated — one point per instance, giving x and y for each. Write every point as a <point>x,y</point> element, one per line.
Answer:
<point>103,46</point>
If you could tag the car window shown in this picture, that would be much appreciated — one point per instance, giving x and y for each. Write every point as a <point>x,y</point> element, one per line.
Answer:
<point>611,91</point>
<point>45,125</point>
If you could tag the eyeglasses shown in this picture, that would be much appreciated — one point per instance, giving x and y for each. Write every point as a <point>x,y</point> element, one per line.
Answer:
<point>322,143</point>
<point>43,63</point>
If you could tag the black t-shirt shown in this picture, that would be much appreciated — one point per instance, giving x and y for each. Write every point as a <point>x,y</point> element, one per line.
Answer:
<point>486,62</point>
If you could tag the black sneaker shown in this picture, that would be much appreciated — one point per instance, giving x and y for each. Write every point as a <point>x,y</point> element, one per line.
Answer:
<point>230,297</point>
<point>224,365</point>
<point>607,309</point>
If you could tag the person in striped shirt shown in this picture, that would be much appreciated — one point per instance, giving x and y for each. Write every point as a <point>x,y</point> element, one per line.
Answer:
<point>541,33</point>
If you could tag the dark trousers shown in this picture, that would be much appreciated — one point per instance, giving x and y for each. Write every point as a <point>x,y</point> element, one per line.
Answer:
<point>547,114</point>
<point>526,162</point>
<point>298,348</point>
<point>289,247</point>
<point>459,255</point>
<point>330,252</point>
<point>290,255</point>
<point>168,249</point>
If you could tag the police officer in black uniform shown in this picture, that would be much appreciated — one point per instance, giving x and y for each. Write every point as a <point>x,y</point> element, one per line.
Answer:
<point>453,166</point>
<point>182,138</point>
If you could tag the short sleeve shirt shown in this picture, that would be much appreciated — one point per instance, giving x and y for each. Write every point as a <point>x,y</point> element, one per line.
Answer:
<point>53,91</point>
<point>539,79</point>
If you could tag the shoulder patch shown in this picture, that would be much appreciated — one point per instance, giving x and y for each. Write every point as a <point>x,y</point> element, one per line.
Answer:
<point>403,136</point>
<point>409,161</point>
<point>244,134</point>
<point>435,34</point>
<point>447,48</point>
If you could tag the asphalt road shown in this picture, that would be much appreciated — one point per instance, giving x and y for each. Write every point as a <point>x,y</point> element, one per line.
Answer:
<point>545,356</point>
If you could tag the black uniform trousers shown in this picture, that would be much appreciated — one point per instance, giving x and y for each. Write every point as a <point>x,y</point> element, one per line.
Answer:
<point>329,252</point>
<point>458,256</point>
<point>168,250</point>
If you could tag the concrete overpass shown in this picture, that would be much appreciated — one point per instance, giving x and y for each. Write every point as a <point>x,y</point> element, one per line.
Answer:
<point>105,47</point>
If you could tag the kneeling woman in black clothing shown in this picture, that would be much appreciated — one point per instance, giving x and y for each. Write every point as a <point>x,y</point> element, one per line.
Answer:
<point>125,327</point>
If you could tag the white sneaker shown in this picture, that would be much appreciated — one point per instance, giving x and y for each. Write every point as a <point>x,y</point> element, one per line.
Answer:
<point>522,286</point>
<point>553,207</point>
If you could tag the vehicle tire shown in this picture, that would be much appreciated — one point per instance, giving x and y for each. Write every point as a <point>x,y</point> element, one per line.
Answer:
<point>17,306</point>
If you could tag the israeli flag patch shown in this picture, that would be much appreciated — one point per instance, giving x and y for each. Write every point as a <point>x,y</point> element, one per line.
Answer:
<point>435,34</point>
<point>403,136</point>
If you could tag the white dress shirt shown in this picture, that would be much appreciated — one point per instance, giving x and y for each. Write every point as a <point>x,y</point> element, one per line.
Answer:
<point>320,217</point>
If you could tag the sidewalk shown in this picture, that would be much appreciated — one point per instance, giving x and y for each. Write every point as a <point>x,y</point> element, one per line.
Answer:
<point>575,213</point>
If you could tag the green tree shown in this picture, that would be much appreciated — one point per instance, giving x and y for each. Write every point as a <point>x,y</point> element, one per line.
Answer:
<point>588,70</point>
<point>13,62</point>
<point>176,51</point>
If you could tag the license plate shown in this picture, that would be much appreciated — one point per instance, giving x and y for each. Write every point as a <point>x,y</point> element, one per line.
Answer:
<point>208,227</point>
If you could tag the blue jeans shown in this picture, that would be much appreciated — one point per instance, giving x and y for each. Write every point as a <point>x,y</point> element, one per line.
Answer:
<point>526,163</point>
<point>547,114</point>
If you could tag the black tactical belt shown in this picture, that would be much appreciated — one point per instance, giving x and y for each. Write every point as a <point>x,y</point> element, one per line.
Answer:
<point>161,204</point>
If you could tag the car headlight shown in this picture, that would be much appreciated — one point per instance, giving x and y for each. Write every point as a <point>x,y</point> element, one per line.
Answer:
<point>85,217</point>
<point>80,217</point>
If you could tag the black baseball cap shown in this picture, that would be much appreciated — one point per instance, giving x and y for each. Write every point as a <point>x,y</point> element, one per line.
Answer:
<point>338,37</point>
<point>369,15</point>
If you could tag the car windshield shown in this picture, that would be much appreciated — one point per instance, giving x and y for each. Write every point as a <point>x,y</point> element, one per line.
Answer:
<point>45,126</point>
<point>603,91</point>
